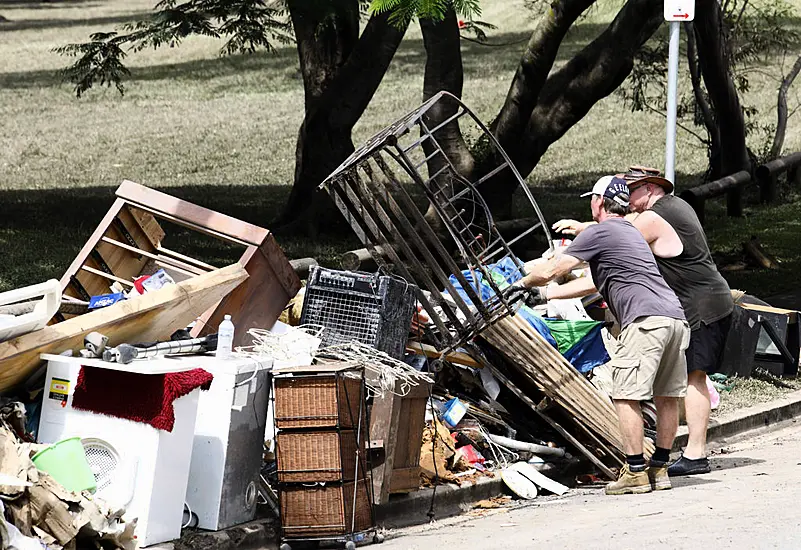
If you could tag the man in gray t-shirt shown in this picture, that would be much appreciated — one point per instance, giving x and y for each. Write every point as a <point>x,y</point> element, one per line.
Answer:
<point>648,360</point>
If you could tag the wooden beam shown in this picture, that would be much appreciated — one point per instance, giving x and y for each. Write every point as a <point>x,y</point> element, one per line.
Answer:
<point>792,316</point>
<point>457,357</point>
<point>105,275</point>
<point>153,316</point>
<point>192,215</point>
<point>188,259</point>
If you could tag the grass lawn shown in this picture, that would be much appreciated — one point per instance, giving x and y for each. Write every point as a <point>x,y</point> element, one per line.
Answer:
<point>221,131</point>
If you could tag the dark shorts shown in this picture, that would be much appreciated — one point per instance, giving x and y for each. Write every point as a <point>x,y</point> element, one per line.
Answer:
<point>706,346</point>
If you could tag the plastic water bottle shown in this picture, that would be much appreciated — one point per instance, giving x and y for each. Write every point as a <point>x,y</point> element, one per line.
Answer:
<point>225,338</point>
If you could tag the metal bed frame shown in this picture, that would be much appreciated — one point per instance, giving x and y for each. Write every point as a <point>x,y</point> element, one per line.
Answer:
<point>382,212</point>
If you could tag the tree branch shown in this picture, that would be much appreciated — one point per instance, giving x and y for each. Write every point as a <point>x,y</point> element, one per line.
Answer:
<point>591,75</point>
<point>714,61</point>
<point>678,124</point>
<point>532,72</point>
<point>357,82</point>
<point>781,110</point>
<point>444,72</point>
<point>695,77</point>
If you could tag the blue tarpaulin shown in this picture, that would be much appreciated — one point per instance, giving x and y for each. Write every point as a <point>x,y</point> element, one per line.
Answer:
<point>581,341</point>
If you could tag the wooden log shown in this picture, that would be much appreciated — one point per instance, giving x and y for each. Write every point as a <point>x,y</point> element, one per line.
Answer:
<point>360,259</point>
<point>779,165</point>
<point>768,175</point>
<point>753,249</point>
<point>730,185</point>
<point>302,266</point>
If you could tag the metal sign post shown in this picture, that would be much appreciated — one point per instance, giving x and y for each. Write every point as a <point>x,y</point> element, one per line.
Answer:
<point>675,12</point>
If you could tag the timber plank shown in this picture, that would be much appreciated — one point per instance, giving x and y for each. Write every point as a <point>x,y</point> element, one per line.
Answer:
<point>153,316</point>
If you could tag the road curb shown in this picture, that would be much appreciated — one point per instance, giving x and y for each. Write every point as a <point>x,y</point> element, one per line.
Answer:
<point>763,416</point>
<point>412,508</point>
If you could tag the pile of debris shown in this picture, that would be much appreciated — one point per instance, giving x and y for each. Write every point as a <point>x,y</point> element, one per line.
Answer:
<point>434,369</point>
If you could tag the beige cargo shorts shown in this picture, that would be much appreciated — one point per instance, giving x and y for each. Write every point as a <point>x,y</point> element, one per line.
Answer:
<point>648,359</point>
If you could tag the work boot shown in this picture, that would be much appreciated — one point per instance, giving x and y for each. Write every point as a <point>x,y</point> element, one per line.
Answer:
<point>630,482</point>
<point>658,476</point>
<point>689,466</point>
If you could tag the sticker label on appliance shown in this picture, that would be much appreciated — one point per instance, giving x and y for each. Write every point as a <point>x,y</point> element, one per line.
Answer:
<point>59,389</point>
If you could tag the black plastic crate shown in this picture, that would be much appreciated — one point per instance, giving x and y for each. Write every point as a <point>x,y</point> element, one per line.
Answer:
<point>375,310</point>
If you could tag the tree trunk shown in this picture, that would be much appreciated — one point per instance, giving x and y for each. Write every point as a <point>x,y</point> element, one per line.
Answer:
<point>713,56</point>
<point>338,90</point>
<point>781,110</point>
<point>594,73</point>
<point>444,72</point>
<point>532,72</point>
<point>569,93</point>
<point>325,39</point>
<point>707,115</point>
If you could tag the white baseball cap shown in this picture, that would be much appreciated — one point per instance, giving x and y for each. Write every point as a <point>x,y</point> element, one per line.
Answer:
<point>611,187</point>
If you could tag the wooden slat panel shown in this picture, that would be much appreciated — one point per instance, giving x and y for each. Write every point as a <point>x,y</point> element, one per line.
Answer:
<point>184,211</point>
<point>555,376</point>
<point>150,226</point>
<point>257,303</point>
<point>79,260</point>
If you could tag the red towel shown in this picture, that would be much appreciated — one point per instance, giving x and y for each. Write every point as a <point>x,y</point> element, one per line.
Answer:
<point>143,398</point>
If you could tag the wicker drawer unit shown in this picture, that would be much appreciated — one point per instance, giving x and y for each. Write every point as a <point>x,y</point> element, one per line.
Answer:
<point>322,511</point>
<point>318,401</point>
<point>307,457</point>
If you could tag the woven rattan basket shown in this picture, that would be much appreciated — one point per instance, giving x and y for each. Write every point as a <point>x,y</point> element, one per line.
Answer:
<point>314,402</point>
<point>324,511</point>
<point>305,457</point>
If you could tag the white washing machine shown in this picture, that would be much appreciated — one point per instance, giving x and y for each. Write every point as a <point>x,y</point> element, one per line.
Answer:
<point>137,467</point>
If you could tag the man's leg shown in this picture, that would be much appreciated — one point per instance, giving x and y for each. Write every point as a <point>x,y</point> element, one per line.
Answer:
<point>667,420</point>
<point>629,414</point>
<point>633,476</point>
<point>697,405</point>
<point>669,385</point>
<point>703,355</point>
<point>667,424</point>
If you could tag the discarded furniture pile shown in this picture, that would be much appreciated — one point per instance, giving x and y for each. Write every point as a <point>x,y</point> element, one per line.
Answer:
<point>149,392</point>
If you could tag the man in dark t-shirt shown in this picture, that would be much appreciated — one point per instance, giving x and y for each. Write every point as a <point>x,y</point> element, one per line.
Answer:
<point>648,360</point>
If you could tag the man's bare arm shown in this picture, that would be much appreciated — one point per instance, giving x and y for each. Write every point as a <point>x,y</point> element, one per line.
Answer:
<point>583,286</point>
<point>553,268</point>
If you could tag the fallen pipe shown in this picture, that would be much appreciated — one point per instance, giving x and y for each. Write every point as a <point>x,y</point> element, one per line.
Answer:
<point>515,445</point>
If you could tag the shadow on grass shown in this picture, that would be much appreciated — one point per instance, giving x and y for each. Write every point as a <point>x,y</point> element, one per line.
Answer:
<point>410,58</point>
<point>41,231</point>
<point>47,4</point>
<point>42,24</point>
<point>201,70</point>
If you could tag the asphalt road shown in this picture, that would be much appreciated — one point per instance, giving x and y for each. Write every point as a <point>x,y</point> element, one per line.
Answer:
<point>752,499</point>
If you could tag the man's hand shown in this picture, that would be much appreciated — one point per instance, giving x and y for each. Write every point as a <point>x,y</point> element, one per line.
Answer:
<point>570,227</point>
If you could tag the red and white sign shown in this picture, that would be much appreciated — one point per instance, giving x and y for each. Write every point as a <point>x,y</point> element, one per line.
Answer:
<point>679,10</point>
